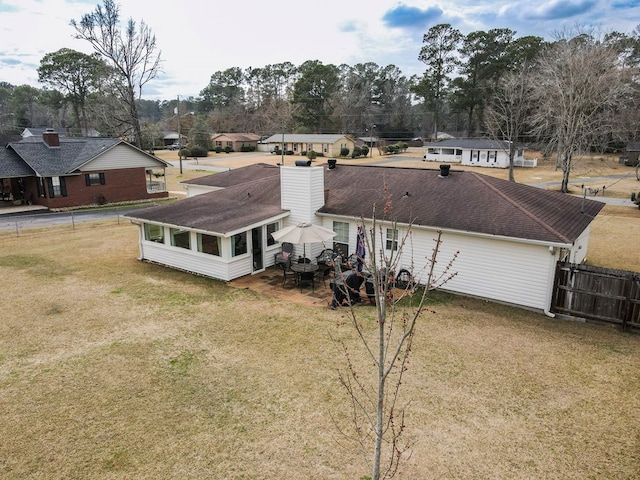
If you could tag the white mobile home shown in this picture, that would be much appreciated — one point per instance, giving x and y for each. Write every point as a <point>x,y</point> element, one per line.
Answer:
<point>477,152</point>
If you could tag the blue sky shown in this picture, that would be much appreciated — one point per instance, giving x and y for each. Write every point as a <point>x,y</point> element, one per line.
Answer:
<point>200,37</point>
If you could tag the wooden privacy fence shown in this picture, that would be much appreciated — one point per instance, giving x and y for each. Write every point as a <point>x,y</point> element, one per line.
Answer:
<point>596,293</point>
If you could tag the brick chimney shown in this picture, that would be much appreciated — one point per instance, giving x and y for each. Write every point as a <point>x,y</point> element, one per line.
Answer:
<point>51,138</point>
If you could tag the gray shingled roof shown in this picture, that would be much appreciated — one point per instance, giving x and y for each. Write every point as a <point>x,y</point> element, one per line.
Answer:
<point>476,143</point>
<point>464,201</point>
<point>55,161</point>
<point>12,166</point>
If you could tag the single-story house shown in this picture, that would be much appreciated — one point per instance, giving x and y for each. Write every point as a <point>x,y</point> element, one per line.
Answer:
<point>328,145</point>
<point>61,172</point>
<point>509,235</point>
<point>63,132</point>
<point>238,141</point>
<point>479,152</point>
<point>170,137</point>
<point>633,153</point>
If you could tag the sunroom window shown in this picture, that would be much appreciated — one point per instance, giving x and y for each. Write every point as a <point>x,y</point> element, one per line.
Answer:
<point>180,238</point>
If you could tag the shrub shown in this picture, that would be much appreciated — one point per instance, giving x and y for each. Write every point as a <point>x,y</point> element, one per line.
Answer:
<point>289,152</point>
<point>344,152</point>
<point>217,149</point>
<point>184,152</point>
<point>364,150</point>
<point>357,151</point>
<point>394,148</point>
<point>228,149</point>
<point>311,155</point>
<point>247,148</point>
<point>199,152</point>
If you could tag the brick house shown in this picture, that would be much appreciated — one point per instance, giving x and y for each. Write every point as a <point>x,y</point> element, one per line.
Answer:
<point>62,172</point>
<point>237,141</point>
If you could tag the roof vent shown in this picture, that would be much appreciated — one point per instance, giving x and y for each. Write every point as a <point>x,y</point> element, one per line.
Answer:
<point>303,163</point>
<point>444,170</point>
<point>332,163</point>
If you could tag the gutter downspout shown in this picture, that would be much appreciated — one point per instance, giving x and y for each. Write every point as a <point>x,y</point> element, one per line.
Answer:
<point>554,260</point>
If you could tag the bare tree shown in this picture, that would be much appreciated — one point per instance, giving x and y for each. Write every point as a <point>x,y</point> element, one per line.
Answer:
<point>377,410</point>
<point>132,55</point>
<point>576,89</point>
<point>506,115</point>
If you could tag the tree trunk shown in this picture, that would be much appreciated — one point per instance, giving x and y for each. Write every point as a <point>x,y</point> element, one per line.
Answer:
<point>512,153</point>
<point>375,474</point>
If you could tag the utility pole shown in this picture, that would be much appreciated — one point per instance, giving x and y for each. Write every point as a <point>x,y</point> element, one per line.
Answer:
<point>179,135</point>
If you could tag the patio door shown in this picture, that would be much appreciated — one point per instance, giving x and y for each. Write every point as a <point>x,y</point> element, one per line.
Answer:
<point>256,249</point>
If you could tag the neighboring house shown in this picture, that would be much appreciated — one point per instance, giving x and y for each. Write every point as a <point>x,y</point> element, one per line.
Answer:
<point>633,153</point>
<point>239,142</point>
<point>61,172</point>
<point>170,137</point>
<point>326,144</point>
<point>63,132</point>
<point>479,152</point>
<point>509,235</point>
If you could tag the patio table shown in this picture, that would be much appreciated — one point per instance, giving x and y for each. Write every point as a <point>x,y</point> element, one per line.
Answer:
<point>300,268</point>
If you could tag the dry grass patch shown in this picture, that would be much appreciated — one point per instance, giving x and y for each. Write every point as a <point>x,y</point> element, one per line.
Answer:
<point>113,368</point>
<point>614,239</point>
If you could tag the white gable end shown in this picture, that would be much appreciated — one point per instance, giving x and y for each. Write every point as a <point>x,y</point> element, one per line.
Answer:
<point>121,156</point>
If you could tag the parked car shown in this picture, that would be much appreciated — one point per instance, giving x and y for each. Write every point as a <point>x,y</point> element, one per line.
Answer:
<point>175,146</point>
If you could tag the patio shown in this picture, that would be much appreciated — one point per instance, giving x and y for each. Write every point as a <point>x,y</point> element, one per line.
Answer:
<point>269,282</point>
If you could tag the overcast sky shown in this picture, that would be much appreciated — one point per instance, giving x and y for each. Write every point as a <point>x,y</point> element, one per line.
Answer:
<point>200,37</point>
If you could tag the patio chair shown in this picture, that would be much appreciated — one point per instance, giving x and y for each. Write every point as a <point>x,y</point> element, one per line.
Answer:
<point>324,261</point>
<point>284,255</point>
<point>307,278</point>
<point>285,266</point>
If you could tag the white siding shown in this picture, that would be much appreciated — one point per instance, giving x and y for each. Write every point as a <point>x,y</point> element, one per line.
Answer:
<point>580,247</point>
<point>502,158</point>
<point>302,190</point>
<point>193,190</point>
<point>511,272</point>
<point>495,269</point>
<point>193,261</point>
<point>121,156</point>
<point>442,157</point>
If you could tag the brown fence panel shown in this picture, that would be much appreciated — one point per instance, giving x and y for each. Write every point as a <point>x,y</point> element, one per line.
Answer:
<point>597,293</point>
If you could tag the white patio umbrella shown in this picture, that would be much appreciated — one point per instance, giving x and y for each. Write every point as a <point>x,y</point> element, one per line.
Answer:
<point>303,233</point>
